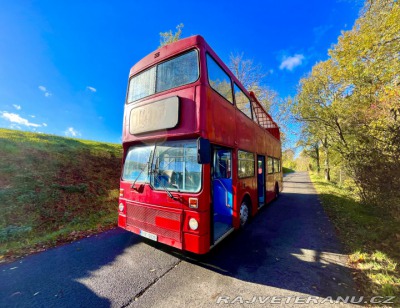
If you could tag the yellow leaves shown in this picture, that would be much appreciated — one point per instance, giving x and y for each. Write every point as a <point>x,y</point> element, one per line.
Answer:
<point>353,99</point>
<point>168,37</point>
<point>366,59</point>
<point>357,257</point>
<point>371,45</point>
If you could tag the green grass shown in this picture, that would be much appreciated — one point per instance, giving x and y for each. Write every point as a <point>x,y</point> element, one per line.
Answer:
<point>370,234</point>
<point>53,189</point>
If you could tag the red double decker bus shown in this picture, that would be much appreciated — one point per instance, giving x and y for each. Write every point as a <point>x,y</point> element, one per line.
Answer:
<point>201,154</point>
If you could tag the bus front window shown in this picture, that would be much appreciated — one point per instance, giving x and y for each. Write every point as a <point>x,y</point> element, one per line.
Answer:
<point>175,167</point>
<point>178,71</point>
<point>136,164</point>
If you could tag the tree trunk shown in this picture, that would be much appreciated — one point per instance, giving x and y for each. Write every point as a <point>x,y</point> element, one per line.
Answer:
<point>327,175</point>
<point>317,157</point>
<point>327,167</point>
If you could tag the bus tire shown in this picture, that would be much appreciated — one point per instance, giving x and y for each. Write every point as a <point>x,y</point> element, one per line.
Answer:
<point>244,214</point>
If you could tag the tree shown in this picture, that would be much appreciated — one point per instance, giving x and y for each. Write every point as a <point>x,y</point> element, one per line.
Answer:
<point>351,102</point>
<point>251,76</point>
<point>303,162</point>
<point>311,145</point>
<point>368,57</point>
<point>288,160</point>
<point>319,105</point>
<point>169,37</point>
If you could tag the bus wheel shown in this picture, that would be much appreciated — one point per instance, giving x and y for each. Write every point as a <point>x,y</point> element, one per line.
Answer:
<point>244,214</point>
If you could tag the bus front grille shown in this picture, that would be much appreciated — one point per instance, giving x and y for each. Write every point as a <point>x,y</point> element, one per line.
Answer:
<point>161,222</point>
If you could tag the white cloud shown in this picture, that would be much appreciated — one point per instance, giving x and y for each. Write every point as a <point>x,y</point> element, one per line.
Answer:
<point>91,89</point>
<point>18,107</point>
<point>32,116</point>
<point>17,119</point>
<point>290,63</point>
<point>44,124</point>
<point>44,90</point>
<point>71,132</point>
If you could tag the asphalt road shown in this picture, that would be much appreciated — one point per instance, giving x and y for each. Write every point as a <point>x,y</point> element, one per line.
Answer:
<point>289,249</point>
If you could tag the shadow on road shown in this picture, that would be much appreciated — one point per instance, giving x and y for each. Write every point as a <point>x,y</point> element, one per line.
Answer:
<point>290,244</point>
<point>51,279</point>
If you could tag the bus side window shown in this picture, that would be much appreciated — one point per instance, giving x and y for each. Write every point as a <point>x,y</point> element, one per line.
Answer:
<point>219,80</point>
<point>276,165</point>
<point>243,103</point>
<point>270,165</point>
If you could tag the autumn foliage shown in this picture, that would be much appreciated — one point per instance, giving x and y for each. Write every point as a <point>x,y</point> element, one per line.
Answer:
<point>350,104</point>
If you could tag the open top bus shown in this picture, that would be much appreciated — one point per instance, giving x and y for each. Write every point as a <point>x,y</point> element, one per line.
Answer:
<point>201,154</point>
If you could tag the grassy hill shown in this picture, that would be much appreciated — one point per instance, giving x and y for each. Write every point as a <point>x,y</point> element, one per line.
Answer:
<point>53,189</point>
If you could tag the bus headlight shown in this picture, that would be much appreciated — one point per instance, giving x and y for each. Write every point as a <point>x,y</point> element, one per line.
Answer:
<point>193,224</point>
<point>121,207</point>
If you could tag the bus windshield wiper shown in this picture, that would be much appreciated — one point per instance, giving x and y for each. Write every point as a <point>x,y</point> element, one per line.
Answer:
<point>141,171</point>
<point>157,177</point>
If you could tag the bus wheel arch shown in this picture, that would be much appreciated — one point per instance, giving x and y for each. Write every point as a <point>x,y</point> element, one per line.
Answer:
<point>245,211</point>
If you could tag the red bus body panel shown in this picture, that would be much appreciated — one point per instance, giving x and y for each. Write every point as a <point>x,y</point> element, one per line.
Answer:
<point>202,113</point>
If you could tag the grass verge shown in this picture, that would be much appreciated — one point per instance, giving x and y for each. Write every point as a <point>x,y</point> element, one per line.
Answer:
<point>370,234</point>
<point>287,170</point>
<point>54,190</point>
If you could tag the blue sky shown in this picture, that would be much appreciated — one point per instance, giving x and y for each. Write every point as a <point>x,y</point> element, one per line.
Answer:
<point>64,64</point>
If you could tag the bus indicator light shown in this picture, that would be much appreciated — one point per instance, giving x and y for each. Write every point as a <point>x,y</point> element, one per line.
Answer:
<point>193,203</point>
<point>121,192</point>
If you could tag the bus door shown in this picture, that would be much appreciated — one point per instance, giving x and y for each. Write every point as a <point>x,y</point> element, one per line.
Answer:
<point>222,192</point>
<point>261,180</point>
<point>270,179</point>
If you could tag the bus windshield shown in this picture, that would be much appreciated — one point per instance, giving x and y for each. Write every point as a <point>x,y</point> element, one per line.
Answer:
<point>172,73</point>
<point>174,166</point>
<point>137,163</point>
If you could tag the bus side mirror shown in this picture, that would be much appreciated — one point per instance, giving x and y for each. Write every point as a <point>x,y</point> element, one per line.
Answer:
<point>203,151</point>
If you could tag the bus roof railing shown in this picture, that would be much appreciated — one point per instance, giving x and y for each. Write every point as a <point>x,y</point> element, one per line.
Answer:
<point>263,118</point>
